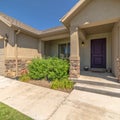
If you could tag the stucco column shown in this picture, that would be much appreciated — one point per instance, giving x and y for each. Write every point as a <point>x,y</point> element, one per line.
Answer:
<point>41,48</point>
<point>118,58</point>
<point>74,53</point>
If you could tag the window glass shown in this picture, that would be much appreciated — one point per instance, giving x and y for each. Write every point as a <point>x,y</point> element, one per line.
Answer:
<point>64,50</point>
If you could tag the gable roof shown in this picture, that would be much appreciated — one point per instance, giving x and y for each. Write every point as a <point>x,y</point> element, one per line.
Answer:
<point>13,22</point>
<point>55,30</point>
<point>65,20</point>
<point>77,8</point>
<point>9,21</point>
<point>5,21</point>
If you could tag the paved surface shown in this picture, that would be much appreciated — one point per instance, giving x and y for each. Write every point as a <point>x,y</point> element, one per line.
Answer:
<point>88,106</point>
<point>98,77</point>
<point>45,104</point>
<point>37,102</point>
<point>100,83</point>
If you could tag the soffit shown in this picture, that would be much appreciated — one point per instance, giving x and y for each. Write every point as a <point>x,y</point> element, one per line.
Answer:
<point>106,28</point>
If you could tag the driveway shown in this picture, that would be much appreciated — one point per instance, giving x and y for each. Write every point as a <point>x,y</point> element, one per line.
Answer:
<point>45,104</point>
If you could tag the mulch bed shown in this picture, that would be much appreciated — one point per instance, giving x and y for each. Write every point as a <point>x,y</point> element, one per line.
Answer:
<point>43,83</point>
<point>47,84</point>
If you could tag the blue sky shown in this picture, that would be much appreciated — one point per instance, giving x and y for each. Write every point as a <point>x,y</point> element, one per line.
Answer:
<point>40,14</point>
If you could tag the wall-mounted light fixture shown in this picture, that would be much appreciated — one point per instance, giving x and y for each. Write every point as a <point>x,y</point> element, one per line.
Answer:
<point>6,37</point>
<point>83,43</point>
<point>18,31</point>
<point>86,23</point>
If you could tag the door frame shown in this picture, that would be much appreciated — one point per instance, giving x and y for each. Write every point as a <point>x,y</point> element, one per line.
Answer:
<point>91,50</point>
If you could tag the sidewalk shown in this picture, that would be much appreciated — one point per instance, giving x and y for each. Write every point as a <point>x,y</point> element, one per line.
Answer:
<point>45,104</point>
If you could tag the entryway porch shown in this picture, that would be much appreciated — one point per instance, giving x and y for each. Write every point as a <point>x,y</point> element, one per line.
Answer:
<point>99,83</point>
<point>95,45</point>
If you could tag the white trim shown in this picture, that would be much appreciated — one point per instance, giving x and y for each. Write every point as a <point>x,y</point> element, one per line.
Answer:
<point>5,21</point>
<point>74,10</point>
<point>99,23</point>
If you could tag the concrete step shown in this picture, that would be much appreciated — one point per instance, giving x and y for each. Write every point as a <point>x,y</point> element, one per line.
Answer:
<point>99,83</point>
<point>99,88</point>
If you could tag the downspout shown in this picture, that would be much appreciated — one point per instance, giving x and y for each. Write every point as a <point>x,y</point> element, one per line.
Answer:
<point>118,43</point>
<point>118,53</point>
<point>5,47</point>
<point>16,52</point>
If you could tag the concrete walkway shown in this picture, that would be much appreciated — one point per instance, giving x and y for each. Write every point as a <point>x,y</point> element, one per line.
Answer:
<point>37,102</point>
<point>45,104</point>
<point>97,97</point>
<point>88,106</point>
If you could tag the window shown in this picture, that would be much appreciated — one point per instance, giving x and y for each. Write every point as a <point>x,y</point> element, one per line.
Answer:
<point>64,50</point>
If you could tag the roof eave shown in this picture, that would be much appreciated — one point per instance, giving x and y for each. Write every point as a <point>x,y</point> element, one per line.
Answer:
<point>66,18</point>
<point>22,30</point>
<point>5,21</point>
<point>53,31</point>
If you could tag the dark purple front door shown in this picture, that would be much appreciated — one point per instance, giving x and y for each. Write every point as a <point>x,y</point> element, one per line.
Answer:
<point>98,53</point>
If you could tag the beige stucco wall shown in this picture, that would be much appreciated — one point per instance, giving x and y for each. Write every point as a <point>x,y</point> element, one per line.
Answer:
<point>3,29</point>
<point>115,47</point>
<point>27,46</point>
<point>96,11</point>
<point>10,50</point>
<point>9,47</point>
<point>51,47</point>
<point>41,48</point>
<point>85,51</point>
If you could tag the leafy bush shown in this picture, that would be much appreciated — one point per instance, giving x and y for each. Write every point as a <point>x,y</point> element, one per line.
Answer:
<point>24,78</point>
<point>37,68</point>
<point>62,84</point>
<point>50,68</point>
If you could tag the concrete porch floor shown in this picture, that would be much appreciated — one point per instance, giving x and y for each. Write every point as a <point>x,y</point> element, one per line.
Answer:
<point>104,77</point>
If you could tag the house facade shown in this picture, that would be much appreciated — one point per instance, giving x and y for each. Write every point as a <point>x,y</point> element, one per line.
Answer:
<point>89,38</point>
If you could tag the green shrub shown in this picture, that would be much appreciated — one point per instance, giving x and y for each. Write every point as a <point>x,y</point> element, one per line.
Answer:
<point>62,84</point>
<point>37,68</point>
<point>50,68</point>
<point>24,78</point>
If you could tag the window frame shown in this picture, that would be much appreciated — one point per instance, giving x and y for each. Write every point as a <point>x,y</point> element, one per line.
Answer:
<point>66,53</point>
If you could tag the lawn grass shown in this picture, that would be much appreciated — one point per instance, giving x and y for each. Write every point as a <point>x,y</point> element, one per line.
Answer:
<point>8,113</point>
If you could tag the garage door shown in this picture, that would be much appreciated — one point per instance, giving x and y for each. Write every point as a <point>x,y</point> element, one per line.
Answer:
<point>2,66</point>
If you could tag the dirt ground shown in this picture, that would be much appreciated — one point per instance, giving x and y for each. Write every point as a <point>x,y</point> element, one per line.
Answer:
<point>43,83</point>
<point>47,84</point>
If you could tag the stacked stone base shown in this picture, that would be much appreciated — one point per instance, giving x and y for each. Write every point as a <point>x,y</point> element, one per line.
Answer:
<point>12,71</point>
<point>118,69</point>
<point>74,68</point>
